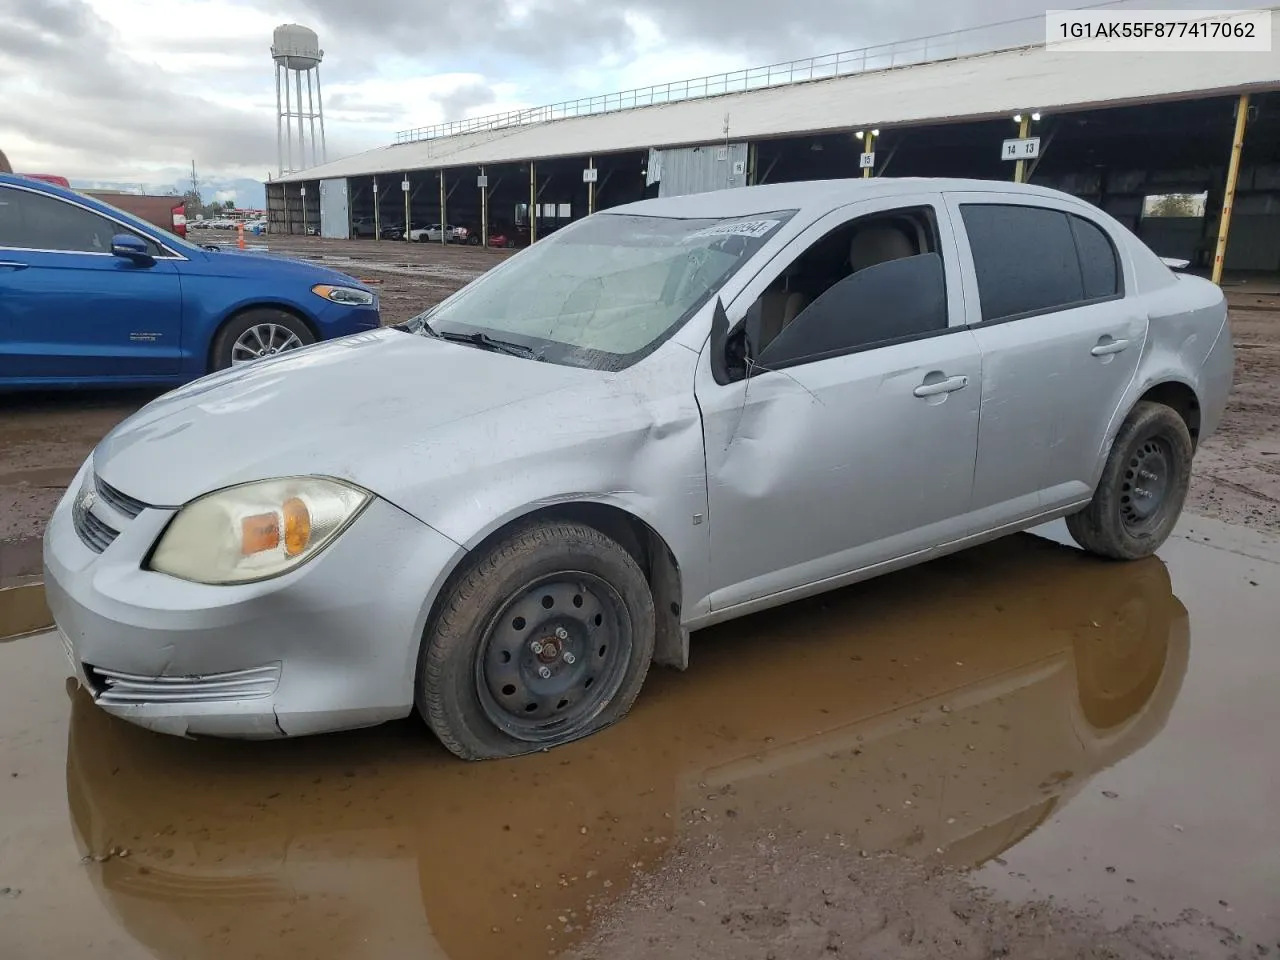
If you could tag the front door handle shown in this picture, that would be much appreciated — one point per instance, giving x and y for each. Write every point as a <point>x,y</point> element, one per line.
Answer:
<point>949,385</point>
<point>1106,346</point>
<point>13,265</point>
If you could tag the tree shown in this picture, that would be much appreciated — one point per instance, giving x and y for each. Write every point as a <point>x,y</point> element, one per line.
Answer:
<point>229,204</point>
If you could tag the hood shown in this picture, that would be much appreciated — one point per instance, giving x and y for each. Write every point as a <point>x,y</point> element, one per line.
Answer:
<point>335,408</point>
<point>233,262</point>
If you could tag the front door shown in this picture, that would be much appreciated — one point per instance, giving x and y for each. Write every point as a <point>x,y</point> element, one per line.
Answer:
<point>862,453</point>
<point>1060,343</point>
<point>69,309</point>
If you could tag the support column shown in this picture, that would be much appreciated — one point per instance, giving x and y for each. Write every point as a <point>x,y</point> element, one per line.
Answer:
<point>869,146</point>
<point>591,188</point>
<point>444,219</point>
<point>404,179</point>
<point>1020,166</point>
<point>1229,196</point>
<point>377,221</point>
<point>484,211</point>
<point>533,203</point>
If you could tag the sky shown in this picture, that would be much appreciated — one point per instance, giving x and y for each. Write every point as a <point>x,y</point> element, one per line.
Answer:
<point>131,92</point>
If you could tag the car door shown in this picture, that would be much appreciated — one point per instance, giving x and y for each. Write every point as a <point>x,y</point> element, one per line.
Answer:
<point>1060,343</point>
<point>69,309</point>
<point>858,452</point>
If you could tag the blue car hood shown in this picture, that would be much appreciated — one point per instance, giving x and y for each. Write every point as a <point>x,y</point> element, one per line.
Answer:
<point>264,263</point>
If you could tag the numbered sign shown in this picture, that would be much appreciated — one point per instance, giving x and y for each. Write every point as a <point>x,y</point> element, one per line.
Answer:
<point>404,185</point>
<point>302,191</point>
<point>739,167</point>
<point>482,181</point>
<point>590,175</point>
<point>1027,149</point>
<point>867,161</point>
<point>375,186</point>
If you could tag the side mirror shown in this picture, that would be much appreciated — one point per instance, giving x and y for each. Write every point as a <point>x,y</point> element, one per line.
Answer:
<point>889,301</point>
<point>128,247</point>
<point>719,344</point>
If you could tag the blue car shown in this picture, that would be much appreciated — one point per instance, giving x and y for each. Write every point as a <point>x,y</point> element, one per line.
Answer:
<point>91,296</point>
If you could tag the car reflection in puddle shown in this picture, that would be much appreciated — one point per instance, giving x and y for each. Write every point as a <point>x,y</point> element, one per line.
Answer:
<point>945,711</point>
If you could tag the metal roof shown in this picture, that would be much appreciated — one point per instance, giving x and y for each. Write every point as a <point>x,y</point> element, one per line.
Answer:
<point>966,88</point>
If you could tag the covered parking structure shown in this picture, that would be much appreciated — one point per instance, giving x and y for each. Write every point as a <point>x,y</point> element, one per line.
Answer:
<point>1120,130</point>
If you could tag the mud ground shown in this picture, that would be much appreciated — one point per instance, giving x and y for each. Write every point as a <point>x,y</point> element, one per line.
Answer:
<point>1016,752</point>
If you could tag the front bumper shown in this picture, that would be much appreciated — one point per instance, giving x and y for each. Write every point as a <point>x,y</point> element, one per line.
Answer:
<point>332,645</point>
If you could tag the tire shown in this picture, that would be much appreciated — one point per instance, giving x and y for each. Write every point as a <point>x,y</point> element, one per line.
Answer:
<point>225,350</point>
<point>555,596</point>
<point>473,241</point>
<point>1153,447</point>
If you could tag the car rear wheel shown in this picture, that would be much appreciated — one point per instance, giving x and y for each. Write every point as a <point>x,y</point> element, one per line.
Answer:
<point>258,333</point>
<point>544,639</point>
<point>1143,487</point>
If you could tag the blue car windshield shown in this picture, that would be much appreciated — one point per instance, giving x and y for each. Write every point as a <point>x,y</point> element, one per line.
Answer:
<point>605,291</point>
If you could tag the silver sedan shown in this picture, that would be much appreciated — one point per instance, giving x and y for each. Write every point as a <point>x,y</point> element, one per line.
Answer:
<point>661,417</point>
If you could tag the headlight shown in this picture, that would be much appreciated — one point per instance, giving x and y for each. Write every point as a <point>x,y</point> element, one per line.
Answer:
<point>256,530</point>
<point>348,295</point>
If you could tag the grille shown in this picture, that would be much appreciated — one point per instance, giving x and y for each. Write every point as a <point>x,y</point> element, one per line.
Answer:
<point>122,502</point>
<point>113,686</point>
<point>95,533</point>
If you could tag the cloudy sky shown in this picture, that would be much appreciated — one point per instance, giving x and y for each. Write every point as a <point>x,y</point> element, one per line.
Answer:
<point>131,91</point>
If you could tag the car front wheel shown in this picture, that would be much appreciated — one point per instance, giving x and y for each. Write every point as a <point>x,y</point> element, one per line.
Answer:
<point>256,334</point>
<point>1143,486</point>
<point>542,640</point>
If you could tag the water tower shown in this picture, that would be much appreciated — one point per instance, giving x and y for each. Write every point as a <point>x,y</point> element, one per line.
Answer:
<point>296,51</point>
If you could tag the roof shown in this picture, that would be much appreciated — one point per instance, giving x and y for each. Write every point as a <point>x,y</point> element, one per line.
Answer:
<point>965,88</point>
<point>816,195</point>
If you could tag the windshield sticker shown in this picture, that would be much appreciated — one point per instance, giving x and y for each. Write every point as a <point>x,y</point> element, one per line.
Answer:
<point>754,229</point>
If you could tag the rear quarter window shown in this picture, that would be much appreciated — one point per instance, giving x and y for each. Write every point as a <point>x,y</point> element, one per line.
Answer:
<point>1024,258</point>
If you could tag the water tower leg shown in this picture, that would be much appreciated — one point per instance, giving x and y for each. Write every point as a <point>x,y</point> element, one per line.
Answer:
<point>302,144</point>
<point>279,126</point>
<point>324,151</point>
<point>288,126</point>
<point>311,114</point>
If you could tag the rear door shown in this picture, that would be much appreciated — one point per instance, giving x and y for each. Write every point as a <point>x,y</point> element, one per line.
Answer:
<point>69,309</point>
<point>1045,289</point>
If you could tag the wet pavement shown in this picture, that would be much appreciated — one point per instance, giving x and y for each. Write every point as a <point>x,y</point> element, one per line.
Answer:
<point>1102,734</point>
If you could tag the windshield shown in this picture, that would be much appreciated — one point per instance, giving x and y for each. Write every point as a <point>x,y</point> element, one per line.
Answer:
<point>606,291</point>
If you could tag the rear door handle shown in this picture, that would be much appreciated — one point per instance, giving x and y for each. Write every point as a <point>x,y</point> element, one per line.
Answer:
<point>1110,347</point>
<point>948,385</point>
<point>13,265</point>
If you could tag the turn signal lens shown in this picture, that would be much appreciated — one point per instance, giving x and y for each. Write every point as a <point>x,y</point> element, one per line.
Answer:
<point>297,527</point>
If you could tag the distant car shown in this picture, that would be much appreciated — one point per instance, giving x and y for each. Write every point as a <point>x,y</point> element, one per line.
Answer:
<point>432,234</point>
<point>664,416</point>
<point>91,296</point>
<point>362,227</point>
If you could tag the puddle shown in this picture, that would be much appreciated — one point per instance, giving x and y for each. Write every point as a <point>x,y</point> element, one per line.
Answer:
<point>20,559</point>
<point>948,713</point>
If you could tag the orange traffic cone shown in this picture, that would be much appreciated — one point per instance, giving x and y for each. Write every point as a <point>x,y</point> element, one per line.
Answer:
<point>240,231</point>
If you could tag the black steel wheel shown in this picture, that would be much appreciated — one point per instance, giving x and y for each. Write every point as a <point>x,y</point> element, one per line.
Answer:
<point>1143,486</point>
<point>540,640</point>
<point>553,656</point>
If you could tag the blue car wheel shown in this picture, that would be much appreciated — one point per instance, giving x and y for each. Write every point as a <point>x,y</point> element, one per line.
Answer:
<point>258,333</point>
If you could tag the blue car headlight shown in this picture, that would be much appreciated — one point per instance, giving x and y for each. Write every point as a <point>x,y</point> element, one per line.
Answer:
<point>350,296</point>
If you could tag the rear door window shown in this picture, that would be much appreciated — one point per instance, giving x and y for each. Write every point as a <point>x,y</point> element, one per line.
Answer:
<point>1025,259</point>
